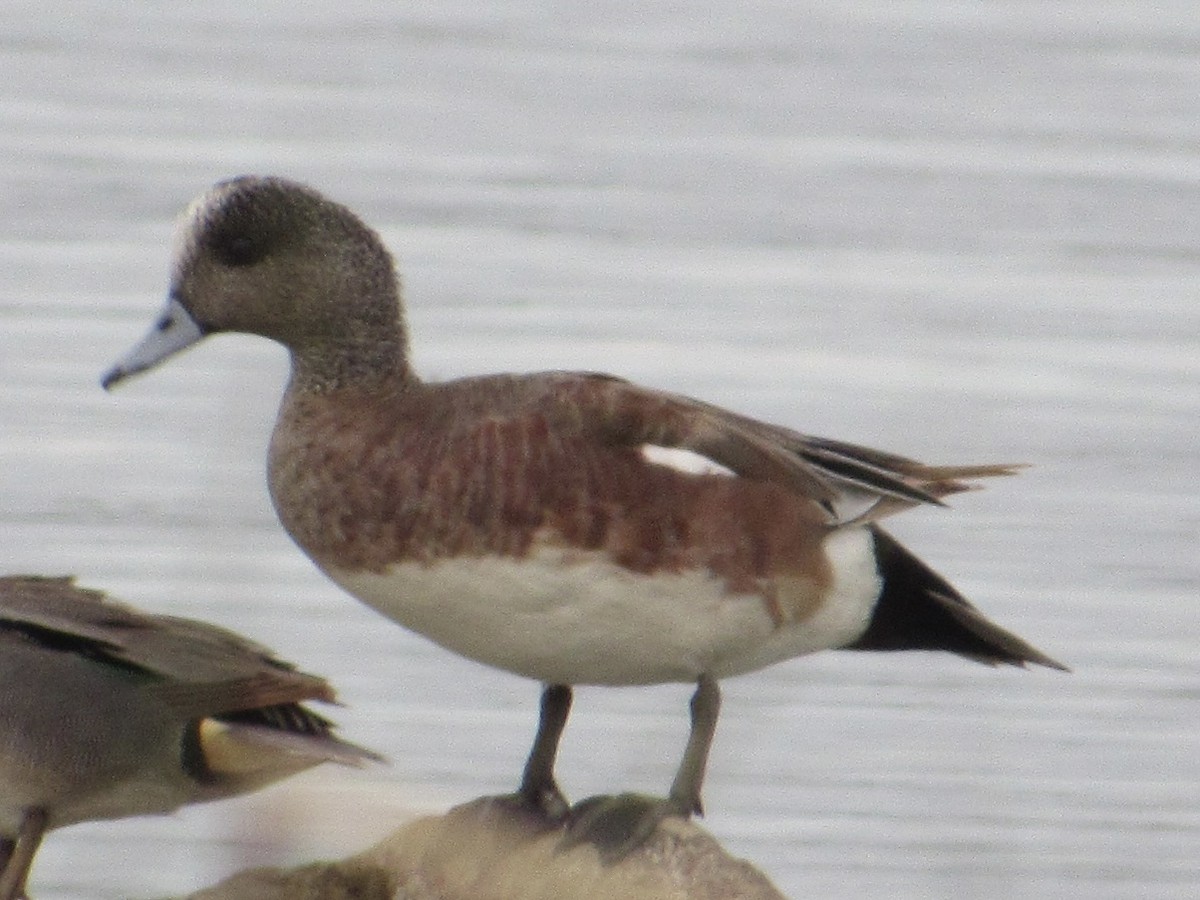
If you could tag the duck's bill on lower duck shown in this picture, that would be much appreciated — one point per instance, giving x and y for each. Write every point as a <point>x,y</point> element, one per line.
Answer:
<point>174,330</point>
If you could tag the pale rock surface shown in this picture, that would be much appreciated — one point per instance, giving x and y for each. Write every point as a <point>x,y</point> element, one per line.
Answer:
<point>487,851</point>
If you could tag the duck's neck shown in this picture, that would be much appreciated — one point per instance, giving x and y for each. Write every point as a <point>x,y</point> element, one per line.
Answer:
<point>368,360</point>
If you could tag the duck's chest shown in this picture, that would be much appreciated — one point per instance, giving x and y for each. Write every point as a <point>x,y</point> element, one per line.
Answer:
<point>348,491</point>
<point>380,488</point>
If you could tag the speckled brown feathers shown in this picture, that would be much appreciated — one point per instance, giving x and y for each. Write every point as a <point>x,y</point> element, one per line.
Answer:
<point>492,467</point>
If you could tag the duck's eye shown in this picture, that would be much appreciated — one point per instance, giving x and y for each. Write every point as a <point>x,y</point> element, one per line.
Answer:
<point>239,250</point>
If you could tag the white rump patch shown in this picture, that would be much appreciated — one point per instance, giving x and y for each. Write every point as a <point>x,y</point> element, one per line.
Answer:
<point>686,461</point>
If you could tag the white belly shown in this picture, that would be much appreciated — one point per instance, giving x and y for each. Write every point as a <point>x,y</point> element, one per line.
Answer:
<point>566,617</point>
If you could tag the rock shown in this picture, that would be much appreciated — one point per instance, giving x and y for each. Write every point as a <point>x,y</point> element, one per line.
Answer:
<point>486,850</point>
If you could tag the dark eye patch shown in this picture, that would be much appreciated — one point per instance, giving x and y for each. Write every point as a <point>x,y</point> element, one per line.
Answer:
<point>239,248</point>
<point>248,226</point>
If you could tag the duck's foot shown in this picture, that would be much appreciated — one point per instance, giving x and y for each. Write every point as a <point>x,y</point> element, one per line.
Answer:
<point>546,810</point>
<point>618,824</point>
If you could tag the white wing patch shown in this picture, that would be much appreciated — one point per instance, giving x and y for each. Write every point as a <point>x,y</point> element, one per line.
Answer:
<point>853,506</point>
<point>686,461</point>
<point>850,507</point>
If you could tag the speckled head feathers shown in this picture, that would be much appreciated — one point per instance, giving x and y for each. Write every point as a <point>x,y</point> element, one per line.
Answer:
<point>272,257</point>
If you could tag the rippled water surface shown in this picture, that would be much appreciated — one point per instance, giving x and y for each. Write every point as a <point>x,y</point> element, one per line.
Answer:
<point>962,231</point>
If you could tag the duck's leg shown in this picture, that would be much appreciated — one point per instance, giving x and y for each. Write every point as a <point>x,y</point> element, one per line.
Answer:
<point>6,850</point>
<point>689,778</point>
<point>20,854</point>
<point>619,824</point>
<point>538,788</point>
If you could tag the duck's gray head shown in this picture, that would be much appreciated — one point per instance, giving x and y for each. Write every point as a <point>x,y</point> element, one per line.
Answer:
<point>272,257</point>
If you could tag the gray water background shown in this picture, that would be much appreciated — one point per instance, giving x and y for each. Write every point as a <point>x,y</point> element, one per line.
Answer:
<point>965,231</point>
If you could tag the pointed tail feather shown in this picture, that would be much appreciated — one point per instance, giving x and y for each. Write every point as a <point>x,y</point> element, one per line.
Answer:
<point>919,610</point>
<point>890,474</point>
<point>246,746</point>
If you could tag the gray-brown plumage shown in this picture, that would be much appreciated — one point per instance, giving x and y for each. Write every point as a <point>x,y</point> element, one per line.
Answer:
<point>107,712</point>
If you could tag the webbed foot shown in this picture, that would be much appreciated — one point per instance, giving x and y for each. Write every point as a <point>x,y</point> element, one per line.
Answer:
<point>618,824</point>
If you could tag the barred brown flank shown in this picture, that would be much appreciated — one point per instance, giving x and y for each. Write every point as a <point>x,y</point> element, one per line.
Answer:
<point>516,469</point>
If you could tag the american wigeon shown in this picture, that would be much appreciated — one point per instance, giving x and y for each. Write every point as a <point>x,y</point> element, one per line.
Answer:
<point>539,523</point>
<point>106,712</point>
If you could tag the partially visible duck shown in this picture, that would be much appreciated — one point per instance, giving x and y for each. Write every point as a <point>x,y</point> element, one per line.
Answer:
<point>107,712</point>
